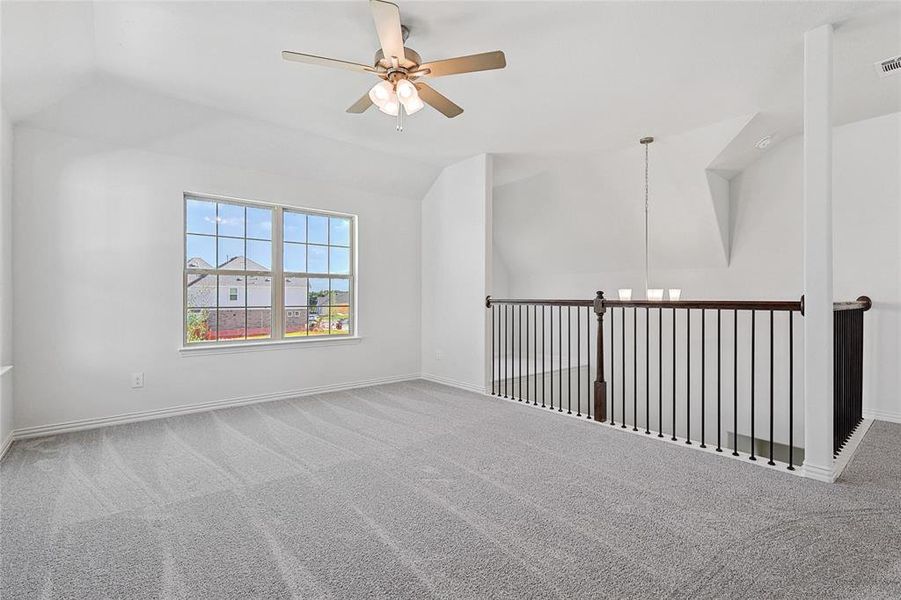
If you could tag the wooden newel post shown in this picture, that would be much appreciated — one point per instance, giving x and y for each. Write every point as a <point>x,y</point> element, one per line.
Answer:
<point>600,384</point>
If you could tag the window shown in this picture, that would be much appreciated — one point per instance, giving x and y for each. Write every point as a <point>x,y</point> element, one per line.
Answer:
<point>265,272</point>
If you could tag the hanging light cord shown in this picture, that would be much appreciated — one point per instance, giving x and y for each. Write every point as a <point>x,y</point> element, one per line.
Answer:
<point>647,282</point>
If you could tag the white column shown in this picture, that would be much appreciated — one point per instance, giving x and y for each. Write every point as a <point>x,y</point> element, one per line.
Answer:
<point>818,462</point>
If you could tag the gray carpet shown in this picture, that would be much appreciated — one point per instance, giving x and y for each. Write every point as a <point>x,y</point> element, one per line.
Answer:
<point>418,490</point>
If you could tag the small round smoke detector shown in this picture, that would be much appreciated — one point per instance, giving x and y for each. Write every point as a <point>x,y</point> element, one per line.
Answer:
<point>763,142</point>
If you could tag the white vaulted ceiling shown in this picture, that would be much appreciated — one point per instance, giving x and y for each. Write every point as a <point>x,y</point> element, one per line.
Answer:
<point>581,76</point>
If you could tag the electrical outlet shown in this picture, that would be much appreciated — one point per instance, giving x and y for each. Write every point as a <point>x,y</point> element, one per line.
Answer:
<point>137,380</point>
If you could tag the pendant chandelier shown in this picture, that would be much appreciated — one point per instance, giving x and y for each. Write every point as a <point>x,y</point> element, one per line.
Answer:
<point>652,293</point>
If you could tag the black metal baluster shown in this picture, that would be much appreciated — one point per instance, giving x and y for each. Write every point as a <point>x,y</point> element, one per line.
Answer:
<point>674,375</point>
<point>719,382</point>
<point>493,360</point>
<point>535,355</point>
<point>771,463</point>
<point>527,355</point>
<point>512,351</point>
<point>551,372</point>
<point>622,361</point>
<point>688,376</point>
<point>858,385</point>
<point>506,346</point>
<point>858,403</point>
<point>634,368</point>
<point>647,370</point>
<point>519,354</point>
<point>841,336</point>
<point>753,378</point>
<point>843,340</point>
<point>839,384</point>
<point>791,391</point>
<point>836,378</point>
<point>846,375</point>
<point>612,367</point>
<point>569,360</point>
<point>578,361</point>
<point>852,404</point>
<point>543,363</point>
<point>735,383</point>
<point>588,354</point>
<point>703,376</point>
<point>497,316</point>
<point>560,360</point>
<point>660,372</point>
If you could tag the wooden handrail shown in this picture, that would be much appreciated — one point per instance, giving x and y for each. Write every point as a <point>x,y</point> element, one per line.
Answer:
<point>785,305</point>
<point>778,305</point>
<point>489,302</point>
<point>863,303</point>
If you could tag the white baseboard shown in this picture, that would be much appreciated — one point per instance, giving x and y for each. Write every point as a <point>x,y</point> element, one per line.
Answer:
<point>827,474</point>
<point>882,415</point>
<point>453,383</point>
<point>6,444</point>
<point>847,452</point>
<point>56,428</point>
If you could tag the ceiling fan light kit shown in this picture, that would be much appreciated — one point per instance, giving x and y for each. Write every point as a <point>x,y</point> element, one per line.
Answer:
<point>400,92</point>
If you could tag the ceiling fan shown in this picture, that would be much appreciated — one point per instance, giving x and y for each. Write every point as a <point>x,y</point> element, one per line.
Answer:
<point>400,92</point>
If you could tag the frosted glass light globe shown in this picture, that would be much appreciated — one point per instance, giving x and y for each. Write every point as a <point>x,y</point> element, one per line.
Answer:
<point>391,106</point>
<point>413,104</point>
<point>406,90</point>
<point>381,93</point>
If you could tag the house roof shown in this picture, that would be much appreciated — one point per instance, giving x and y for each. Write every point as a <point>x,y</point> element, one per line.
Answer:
<point>231,264</point>
<point>204,280</point>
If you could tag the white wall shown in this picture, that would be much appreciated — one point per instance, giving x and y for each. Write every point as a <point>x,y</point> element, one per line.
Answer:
<point>97,259</point>
<point>766,234</point>
<point>456,269</point>
<point>7,420</point>
<point>867,248</point>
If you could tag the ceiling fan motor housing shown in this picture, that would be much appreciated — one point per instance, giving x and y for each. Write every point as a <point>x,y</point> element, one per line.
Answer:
<point>409,62</point>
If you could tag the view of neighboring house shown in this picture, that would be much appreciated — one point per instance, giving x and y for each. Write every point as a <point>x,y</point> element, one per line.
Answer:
<point>240,305</point>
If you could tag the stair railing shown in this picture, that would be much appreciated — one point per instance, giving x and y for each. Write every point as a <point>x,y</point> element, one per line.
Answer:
<point>699,371</point>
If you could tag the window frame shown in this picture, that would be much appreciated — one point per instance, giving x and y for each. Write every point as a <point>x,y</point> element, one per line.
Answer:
<point>276,275</point>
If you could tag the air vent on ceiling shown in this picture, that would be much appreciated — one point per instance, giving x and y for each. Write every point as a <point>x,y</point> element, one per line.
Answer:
<point>889,66</point>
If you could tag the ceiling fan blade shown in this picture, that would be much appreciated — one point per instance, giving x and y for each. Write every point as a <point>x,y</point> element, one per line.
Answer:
<point>361,105</point>
<point>437,101</point>
<point>387,25</point>
<point>321,61</point>
<point>463,64</point>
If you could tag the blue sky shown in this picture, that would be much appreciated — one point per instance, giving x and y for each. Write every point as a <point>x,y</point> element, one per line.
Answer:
<point>301,232</point>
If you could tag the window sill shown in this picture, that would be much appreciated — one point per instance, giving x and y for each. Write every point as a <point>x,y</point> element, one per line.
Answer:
<point>241,347</point>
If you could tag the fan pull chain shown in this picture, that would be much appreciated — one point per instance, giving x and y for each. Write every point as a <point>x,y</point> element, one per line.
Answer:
<point>400,117</point>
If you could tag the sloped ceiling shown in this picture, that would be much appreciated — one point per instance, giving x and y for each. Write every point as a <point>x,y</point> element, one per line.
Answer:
<point>581,76</point>
<point>597,199</point>
<point>113,112</point>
